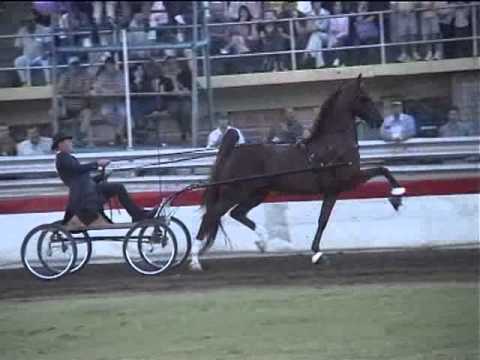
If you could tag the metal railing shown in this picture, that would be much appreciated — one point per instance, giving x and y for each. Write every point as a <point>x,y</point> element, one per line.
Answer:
<point>382,45</point>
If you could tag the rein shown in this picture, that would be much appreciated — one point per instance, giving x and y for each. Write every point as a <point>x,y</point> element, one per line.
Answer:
<point>204,185</point>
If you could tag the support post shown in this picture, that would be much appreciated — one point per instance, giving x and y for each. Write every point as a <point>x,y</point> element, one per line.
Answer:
<point>293,55</point>
<point>382,39</point>
<point>194,77</point>
<point>126,75</point>
<point>208,68</point>
<point>475,29</point>
<point>53,77</point>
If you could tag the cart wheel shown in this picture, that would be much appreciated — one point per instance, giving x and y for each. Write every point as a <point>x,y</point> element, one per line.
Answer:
<point>84,251</point>
<point>184,240</point>
<point>150,247</point>
<point>48,252</point>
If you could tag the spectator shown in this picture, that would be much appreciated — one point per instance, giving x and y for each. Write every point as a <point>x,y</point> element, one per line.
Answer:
<point>404,24</point>
<point>273,39</point>
<point>181,13</point>
<point>110,83</point>
<point>248,31</point>
<point>365,131</point>
<point>33,46</point>
<point>7,144</point>
<point>398,126</point>
<point>290,130</point>
<point>445,19</point>
<point>461,28</point>
<point>366,33</point>
<point>242,39</point>
<point>456,126</point>
<point>101,8</point>
<point>158,19</point>
<point>289,11</point>
<point>137,37</point>
<point>74,87</point>
<point>215,137</point>
<point>304,7</point>
<point>79,17</point>
<point>177,78</point>
<point>34,144</point>
<point>254,8</point>
<point>141,82</point>
<point>339,34</point>
<point>319,29</point>
<point>430,26</point>
<point>144,8</point>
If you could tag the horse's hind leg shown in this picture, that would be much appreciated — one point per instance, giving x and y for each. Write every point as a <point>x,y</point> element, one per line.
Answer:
<point>208,229</point>
<point>240,212</point>
<point>329,201</point>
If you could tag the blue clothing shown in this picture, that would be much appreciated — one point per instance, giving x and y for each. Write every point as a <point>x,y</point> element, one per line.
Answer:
<point>398,128</point>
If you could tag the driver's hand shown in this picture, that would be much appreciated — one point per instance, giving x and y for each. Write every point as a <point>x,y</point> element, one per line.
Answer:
<point>103,162</point>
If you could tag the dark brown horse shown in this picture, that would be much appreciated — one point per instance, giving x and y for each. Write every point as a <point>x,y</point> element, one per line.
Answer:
<point>332,141</point>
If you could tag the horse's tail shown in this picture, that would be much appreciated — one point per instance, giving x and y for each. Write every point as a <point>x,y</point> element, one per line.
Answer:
<point>211,222</point>
<point>229,140</point>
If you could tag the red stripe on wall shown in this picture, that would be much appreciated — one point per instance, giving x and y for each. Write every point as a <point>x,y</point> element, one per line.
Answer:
<point>370,190</point>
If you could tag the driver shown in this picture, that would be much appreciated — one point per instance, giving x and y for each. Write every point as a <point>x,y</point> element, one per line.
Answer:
<point>86,196</point>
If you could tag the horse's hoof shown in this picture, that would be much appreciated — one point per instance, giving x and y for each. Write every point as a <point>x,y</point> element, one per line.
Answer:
<point>195,266</point>
<point>261,245</point>
<point>316,257</point>
<point>398,191</point>
<point>396,202</point>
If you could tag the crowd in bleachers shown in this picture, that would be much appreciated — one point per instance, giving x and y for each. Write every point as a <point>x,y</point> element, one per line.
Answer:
<point>323,34</point>
<point>314,30</point>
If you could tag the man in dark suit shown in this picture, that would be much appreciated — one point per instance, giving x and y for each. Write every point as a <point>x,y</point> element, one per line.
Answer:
<point>86,196</point>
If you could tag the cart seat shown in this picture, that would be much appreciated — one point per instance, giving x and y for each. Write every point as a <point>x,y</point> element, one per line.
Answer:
<point>75,224</point>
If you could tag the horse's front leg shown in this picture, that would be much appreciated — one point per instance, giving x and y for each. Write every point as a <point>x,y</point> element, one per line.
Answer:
<point>396,192</point>
<point>327,207</point>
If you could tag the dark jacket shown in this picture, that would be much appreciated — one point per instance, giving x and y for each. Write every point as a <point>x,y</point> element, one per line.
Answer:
<point>84,200</point>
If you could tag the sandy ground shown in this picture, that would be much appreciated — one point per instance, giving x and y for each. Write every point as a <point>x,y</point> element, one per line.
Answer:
<point>385,268</point>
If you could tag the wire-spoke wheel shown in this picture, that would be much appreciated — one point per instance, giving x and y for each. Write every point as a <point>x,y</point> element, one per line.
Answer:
<point>48,252</point>
<point>150,247</point>
<point>84,251</point>
<point>183,238</point>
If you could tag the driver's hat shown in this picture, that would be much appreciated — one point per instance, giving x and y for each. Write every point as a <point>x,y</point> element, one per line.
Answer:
<point>58,138</point>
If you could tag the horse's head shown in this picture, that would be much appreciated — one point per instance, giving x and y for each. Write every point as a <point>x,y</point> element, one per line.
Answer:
<point>363,105</point>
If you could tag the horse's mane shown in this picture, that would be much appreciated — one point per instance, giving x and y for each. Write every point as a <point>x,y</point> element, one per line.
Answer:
<point>324,114</point>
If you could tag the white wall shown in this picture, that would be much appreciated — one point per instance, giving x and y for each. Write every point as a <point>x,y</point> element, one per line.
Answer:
<point>368,223</point>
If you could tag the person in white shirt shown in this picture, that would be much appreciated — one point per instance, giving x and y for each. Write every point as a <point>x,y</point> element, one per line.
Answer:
<point>398,126</point>
<point>216,136</point>
<point>34,144</point>
<point>338,34</point>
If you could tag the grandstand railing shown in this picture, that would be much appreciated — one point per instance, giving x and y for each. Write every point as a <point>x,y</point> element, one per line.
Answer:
<point>382,44</point>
